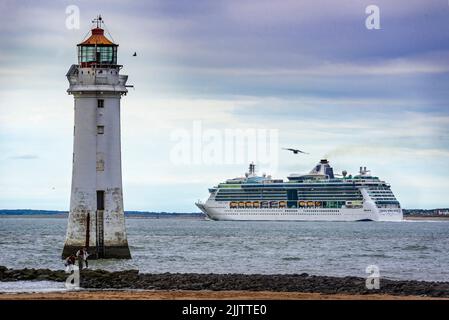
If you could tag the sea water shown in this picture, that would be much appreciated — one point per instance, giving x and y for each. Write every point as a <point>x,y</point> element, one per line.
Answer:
<point>409,250</point>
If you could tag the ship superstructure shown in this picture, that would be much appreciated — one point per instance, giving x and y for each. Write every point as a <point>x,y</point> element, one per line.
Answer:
<point>316,196</point>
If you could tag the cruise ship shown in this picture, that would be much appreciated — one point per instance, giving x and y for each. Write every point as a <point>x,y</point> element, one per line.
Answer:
<point>317,196</point>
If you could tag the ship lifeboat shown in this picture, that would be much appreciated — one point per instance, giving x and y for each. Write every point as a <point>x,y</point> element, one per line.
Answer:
<point>317,203</point>
<point>274,204</point>
<point>310,203</point>
<point>302,203</point>
<point>248,204</point>
<point>282,204</point>
<point>241,204</point>
<point>233,205</point>
<point>256,204</point>
<point>264,204</point>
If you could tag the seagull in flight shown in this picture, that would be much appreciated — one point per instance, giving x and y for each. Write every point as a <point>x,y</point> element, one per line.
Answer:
<point>295,151</point>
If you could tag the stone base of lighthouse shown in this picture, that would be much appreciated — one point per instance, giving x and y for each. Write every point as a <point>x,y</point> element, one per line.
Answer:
<point>96,225</point>
<point>99,246</point>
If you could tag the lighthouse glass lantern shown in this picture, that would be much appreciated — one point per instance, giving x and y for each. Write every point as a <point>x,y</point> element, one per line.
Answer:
<point>97,51</point>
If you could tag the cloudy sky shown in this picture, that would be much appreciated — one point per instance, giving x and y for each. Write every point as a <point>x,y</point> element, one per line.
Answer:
<point>307,74</point>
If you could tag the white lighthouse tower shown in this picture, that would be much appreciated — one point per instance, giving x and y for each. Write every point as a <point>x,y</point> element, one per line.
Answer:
<point>96,219</point>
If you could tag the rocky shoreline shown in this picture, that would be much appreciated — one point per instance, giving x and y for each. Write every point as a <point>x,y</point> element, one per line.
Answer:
<point>132,279</point>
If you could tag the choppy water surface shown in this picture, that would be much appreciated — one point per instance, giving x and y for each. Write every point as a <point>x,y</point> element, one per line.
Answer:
<point>402,250</point>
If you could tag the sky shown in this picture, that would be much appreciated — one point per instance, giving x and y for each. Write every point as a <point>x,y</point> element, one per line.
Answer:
<point>271,74</point>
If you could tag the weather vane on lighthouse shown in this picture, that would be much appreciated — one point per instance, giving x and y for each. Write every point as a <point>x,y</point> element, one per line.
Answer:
<point>98,20</point>
<point>96,220</point>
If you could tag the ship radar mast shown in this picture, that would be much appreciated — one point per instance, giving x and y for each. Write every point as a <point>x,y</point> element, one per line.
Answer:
<point>252,170</point>
<point>364,173</point>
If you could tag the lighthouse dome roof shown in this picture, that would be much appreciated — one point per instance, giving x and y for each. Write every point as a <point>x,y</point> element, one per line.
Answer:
<point>97,38</point>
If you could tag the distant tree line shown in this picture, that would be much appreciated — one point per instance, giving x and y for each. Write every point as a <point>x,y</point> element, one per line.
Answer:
<point>426,212</point>
<point>25,212</point>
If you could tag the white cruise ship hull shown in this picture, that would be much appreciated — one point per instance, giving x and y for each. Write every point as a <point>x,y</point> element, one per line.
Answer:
<point>220,210</point>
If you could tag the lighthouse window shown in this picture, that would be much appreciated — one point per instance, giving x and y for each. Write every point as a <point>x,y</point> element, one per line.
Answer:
<point>100,103</point>
<point>98,54</point>
<point>100,165</point>
<point>100,129</point>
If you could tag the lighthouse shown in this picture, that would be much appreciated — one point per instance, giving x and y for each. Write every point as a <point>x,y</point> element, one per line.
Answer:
<point>96,219</point>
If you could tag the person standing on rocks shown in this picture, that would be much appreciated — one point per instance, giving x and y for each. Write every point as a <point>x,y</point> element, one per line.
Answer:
<point>69,263</point>
<point>82,255</point>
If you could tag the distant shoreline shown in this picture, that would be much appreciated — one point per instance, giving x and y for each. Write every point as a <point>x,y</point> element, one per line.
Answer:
<point>131,216</point>
<point>426,218</point>
<point>409,214</point>
<point>183,216</point>
<point>30,213</point>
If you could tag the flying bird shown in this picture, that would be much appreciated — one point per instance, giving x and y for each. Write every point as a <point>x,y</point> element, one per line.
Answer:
<point>295,151</point>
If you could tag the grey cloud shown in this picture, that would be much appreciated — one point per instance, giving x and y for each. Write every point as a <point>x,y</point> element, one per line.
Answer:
<point>24,157</point>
